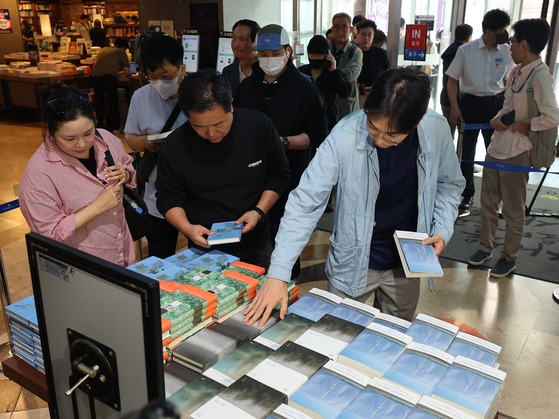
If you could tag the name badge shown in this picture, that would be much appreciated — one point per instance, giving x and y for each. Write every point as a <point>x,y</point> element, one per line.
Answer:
<point>498,60</point>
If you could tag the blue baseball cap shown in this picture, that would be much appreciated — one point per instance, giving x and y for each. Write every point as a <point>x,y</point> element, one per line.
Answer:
<point>272,37</point>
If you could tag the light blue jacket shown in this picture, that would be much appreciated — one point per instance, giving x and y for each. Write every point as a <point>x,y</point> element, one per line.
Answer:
<point>348,158</point>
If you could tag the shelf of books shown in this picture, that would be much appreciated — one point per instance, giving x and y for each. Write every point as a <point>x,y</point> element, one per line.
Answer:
<point>94,8</point>
<point>122,30</point>
<point>31,10</point>
<point>328,358</point>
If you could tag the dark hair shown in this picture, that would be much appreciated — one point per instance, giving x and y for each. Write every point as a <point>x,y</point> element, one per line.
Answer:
<point>463,32</point>
<point>97,23</point>
<point>121,43</point>
<point>84,16</point>
<point>534,31</point>
<point>328,32</point>
<point>254,27</point>
<point>379,38</point>
<point>402,22</point>
<point>401,95</point>
<point>342,14</point>
<point>159,49</point>
<point>495,19</point>
<point>357,19</point>
<point>366,23</point>
<point>26,25</point>
<point>203,91</point>
<point>56,90</point>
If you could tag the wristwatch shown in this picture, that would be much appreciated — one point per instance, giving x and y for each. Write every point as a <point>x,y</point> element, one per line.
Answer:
<point>285,142</point>
<point>260,213</point>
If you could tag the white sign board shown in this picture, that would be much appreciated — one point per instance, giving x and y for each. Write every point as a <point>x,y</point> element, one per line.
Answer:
<point>225,54</point>
<point>46,29</point>
<point>191,43</point>
<point>428,20</point>
<point>168,27</point>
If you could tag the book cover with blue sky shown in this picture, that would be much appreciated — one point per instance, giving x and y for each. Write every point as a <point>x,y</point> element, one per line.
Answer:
<point>225,232</point>
<point>421,258</point>
<point>372,403</point>
<point>150,265</point>
<point>311,307</point>
<point>24,310</point>
<point>214,260</point>
<point>428,333</point>
<point>179,259</point>
<point>351,314</point>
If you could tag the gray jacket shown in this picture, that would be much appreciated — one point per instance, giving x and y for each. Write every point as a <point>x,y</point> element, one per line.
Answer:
<point>352,69</point>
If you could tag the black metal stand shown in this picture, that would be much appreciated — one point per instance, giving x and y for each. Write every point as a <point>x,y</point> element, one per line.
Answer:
<point>529,207</point>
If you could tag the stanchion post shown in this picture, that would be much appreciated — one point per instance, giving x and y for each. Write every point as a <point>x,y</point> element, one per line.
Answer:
<point>461,127</point>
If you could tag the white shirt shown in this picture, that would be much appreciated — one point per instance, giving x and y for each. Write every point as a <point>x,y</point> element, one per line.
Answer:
<point>479,70</point>
<point>148,114</point>
<point>505,144</point>
<point>242,75</point>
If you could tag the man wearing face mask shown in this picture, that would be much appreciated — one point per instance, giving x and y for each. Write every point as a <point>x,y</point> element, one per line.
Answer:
<point>296,107</point>
<point>109,63</point>
<point>329,79</point>
<point>154,110</point>
<point>481,67</point>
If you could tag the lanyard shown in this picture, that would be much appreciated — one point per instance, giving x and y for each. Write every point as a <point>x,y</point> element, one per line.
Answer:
<point>527,78</point>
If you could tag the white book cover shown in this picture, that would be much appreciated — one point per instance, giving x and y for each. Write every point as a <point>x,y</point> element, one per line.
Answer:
<point>278,376</point>
<point>348,373</point>
<point>327,295</point>
<point>361,306</point>
<point>478,366</point>
<point>323,344</point>
<point>429,350</point>
<point>219,377</point>
<point>158,138</point>
<point>220,408</point>
<point>391,333</point>
<point>287,412</point>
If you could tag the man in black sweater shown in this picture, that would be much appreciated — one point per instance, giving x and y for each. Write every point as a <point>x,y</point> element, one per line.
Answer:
<point>462,35</point>
<point>296,107</point>
<point>223,164</point>
<point>331,81</point>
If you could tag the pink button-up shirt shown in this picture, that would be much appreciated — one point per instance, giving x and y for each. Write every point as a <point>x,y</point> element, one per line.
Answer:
<point>55,186</point>
<point>506,144</point>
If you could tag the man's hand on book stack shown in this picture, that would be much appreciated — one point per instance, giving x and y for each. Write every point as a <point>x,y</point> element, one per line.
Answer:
<point>272,292</point>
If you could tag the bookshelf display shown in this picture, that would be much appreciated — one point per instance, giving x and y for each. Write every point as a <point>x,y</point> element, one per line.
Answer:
<point>31,10</point>
<point>94,8</point>
<point>121,30</point>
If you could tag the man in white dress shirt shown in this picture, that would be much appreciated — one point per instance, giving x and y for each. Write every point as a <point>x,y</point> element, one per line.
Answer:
<point>480,66</point>
<point>510,143</point>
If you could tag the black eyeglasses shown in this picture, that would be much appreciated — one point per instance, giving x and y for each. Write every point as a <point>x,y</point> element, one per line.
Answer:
<point>62,104</point>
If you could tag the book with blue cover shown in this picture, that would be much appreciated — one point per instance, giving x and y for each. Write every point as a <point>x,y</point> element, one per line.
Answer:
<point>150,266</point>
<point>472,387</point>
<point>374,350</point>
<point>225,232</point>
<point>429,408</point>
<point>238,363</point>
<point>329,336</point>
<point>169,274</point>
<point>475,348</point>
<point>214,260</point>
<point>246,398</point>
<point>380,400</point>
<point>315,304</point>
<point>355,312</point>
<point>290,328</point>
<point>393,322</point>
<point>181,258</point>
<point>194,394</point>
<point>419,368</point>
<point>24,311</point>
<point>326,394</point>
<point>418,260</point>
<point>432,331</point>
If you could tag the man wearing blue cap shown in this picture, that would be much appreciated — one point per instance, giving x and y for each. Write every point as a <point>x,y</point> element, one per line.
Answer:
<point>297,108</point>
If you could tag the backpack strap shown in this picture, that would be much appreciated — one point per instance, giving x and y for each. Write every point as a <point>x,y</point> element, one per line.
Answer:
<point>352,49</point>
<point>530,94</point>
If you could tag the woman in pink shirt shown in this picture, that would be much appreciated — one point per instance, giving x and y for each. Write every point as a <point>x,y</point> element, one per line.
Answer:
<point>67,191</point>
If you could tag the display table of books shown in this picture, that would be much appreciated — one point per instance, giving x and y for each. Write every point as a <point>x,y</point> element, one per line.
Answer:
<point>328,358</point>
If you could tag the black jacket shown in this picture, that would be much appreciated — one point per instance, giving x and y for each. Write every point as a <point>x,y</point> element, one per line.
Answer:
<point>330,84</point>
<point>231,73</point>
<point>448,57</point>
<point>378,62</point>
<point>295,106</point>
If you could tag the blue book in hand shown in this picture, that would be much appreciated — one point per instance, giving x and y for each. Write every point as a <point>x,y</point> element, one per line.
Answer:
<point>225,232</point>
<point>418,260</point>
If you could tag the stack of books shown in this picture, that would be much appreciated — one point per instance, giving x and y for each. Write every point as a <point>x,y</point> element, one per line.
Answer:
<point>429,408</point>
<point>24,332</point>
<point>315,304</point>
<point>432,331</point>
<point>392,322</point>
<point>475,348</point>
<point>150,266</point>
<point>471,387</point>
<point>289,329</point>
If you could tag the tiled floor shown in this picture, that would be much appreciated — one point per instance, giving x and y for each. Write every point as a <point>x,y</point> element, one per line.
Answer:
<point>517,313</point>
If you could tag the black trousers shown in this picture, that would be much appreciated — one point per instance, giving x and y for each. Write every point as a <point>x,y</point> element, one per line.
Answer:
<point>106,87</point>
<point>162,238</point>
<point>476,110</point>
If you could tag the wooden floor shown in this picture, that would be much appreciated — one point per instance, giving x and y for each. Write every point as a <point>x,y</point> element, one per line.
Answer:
<point>517,313</point>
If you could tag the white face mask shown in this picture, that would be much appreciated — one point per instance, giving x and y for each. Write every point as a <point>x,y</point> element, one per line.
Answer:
<point>166,88</point>
<point>273,66</point>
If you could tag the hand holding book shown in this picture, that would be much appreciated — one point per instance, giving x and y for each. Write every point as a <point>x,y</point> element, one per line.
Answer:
<point>437,241</point>
<point>250,220</point>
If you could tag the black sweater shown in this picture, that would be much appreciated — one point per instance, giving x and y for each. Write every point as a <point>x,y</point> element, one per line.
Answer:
<point>220,182</point>
<point>295,106</point>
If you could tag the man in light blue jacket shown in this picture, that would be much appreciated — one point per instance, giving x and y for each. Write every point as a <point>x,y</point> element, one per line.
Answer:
<point>395,169</point>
